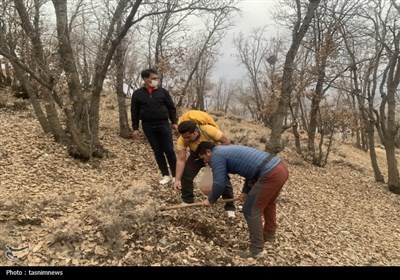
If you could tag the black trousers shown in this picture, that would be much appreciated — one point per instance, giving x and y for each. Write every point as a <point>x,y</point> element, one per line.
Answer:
<point>192,168</point>
<point>160,138</point>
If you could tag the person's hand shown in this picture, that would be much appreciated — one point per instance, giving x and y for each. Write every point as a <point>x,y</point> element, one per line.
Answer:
<point>177,185</point>
<point>243,197</point>
<point>136,134</point>
<point>206,202</point>
<point>175,129</point>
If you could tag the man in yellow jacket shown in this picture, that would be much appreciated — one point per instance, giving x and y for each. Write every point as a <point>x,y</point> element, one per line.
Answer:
<point>191,135</point>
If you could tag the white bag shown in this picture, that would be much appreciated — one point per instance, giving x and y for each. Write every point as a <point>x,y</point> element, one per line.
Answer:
<point>204,180</point>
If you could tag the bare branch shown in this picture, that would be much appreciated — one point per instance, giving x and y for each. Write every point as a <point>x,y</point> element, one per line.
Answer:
<point>17,61</point>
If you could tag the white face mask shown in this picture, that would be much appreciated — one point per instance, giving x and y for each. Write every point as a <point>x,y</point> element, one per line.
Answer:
<point>154,83</point>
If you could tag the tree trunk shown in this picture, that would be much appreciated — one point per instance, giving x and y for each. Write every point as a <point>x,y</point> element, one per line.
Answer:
<point>372,121</point>
<point>315,102</point>
<point>316,99</point>
<point>274,144</point>
<point>44,123</point>
<point>295,130</point>
<point>78,148</point>
<point>393,80</point>
<point>37,45</point>
<point>372,153</point>
<point>317,159</point>
<point>2,76</point>
<point>9,79</point>
<point>78,123</point>
<point>393,172</point>
<point>103,61</point>
<point>328,149</point>
<point>393,180</point>
<point>124,129</point>
<point>52,116</point>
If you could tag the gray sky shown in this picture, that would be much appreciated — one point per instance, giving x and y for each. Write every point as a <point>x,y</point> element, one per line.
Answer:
<point>255,13</point>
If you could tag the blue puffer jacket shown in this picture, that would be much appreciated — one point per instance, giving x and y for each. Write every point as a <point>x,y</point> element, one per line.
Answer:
<point>236,159</point>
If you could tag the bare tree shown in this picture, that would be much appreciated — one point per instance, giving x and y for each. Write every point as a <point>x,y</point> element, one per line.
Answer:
<point>171,50</point>
<point>299,30</point>
<point>326,42</point>
<point>8,44</point>
<point>253,52</point>
<point>119,59</point>
<point>389,125</point>
<point>201,82</point>
<point>217,25</point>
<point>41,66</point>
<point>222,95</point>
<point>80,98</point>
<point>245,101</point>
<point>364,84</point>
<point>303,81</point>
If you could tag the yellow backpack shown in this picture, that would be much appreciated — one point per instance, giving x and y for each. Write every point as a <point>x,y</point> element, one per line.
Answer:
<point>198,117</point>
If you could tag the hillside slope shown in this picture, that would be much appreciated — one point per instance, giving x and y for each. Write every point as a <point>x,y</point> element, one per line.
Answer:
<point>106,212</point>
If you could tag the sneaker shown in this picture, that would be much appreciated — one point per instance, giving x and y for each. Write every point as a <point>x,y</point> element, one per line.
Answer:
<point>165,180</point>
<point>248,255</point>
<point>230,214</point>
<point>269,237</point>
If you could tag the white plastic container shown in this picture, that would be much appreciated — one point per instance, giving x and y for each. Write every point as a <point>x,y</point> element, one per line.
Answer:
<point>204,180</point>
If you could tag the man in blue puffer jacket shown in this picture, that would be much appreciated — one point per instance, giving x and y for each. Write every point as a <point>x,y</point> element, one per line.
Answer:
<point>265,176</point>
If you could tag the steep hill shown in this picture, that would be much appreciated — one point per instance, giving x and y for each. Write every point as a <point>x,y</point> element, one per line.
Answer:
<point>106,212</point>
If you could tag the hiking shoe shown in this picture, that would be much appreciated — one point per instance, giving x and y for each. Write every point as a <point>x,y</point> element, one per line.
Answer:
<point>230,214</point>
<point>249,254</point>
<point>269,237</point>
<point>165,180</point>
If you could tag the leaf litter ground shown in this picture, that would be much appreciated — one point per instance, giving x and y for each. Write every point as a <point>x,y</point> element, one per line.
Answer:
<point>105,212</point>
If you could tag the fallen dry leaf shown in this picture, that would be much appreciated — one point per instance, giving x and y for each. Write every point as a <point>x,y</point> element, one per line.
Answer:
<point>104,212</point>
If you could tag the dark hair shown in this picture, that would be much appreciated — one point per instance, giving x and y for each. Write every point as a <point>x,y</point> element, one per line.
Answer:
<point>146,73</point>
<point>187,126</point>
<point>203,147</point>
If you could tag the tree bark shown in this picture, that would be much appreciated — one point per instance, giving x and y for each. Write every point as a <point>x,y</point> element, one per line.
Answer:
<point>315,102</point>
<point>124,129</point>
<point>78,122</point>
<point>295,128</point>
<point>393,80</point>
<point>372,153</point>
<point>44,123</point>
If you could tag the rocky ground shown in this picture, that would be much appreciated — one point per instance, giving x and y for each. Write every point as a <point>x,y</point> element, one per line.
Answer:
<point>107,212</point>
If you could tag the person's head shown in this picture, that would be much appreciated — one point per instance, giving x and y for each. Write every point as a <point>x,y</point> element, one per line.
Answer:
<point>150,77</point>
<point>204,150</point>
<point>188,130</point>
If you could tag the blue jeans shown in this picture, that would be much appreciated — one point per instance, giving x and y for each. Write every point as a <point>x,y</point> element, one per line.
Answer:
<point>159,136</point>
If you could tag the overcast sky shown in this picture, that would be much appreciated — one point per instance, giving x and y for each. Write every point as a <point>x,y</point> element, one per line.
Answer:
<point>255,13</point>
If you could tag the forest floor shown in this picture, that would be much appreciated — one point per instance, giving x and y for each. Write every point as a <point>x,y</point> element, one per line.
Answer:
<point>107,212</point>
